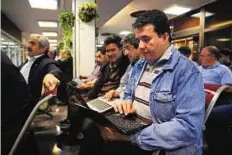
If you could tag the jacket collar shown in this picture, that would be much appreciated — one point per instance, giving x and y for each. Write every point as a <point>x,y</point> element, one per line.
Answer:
<point>169,60</point>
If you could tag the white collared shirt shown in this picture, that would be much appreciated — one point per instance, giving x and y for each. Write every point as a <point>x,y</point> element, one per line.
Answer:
<point>25,70</point>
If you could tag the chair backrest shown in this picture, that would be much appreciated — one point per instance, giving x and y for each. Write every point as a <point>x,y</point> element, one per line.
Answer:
<point>212,93</point>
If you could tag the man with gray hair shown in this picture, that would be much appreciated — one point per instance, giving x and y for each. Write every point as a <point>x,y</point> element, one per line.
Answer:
<point>40,71</point>
<point>212,71</point>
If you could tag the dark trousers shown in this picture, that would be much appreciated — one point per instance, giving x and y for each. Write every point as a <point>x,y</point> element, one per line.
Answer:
<point>219,130</point>
<point>93,143</point>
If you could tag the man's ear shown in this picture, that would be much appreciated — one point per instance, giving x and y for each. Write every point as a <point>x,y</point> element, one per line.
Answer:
<point>165,36</point>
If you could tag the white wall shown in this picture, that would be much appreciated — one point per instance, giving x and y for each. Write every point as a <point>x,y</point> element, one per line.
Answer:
<point>84,48</point>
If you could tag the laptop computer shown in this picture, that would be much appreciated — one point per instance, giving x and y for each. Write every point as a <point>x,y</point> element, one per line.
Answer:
<point>126,125</point>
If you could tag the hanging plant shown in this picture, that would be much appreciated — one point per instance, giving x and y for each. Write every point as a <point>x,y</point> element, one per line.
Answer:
<point>87,11</point>
<point>66,21</point>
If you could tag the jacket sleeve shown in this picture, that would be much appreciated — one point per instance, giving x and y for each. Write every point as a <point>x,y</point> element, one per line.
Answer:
<point>129,86</point>
<point>185,128</point>
<point>54,68</point>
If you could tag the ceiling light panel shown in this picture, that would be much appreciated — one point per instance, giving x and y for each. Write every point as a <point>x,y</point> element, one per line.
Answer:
<point>125,33</point>
<point>207,14</point>
<point>52,41</point>
<point>35,34</point>
<point>50,34</point>
<point>177,10</point>
<point>44,4</point>
<point>47,24</point>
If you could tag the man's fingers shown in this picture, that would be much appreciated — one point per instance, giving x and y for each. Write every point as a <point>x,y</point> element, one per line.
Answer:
<point>128,107</point>
<point>115,108</point>
<point>124,107</point>
<point>120,108</point>
<point>132,110</point>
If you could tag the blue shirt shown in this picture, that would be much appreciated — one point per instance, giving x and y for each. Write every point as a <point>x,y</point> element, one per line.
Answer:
<point>177,106</point>
<point>217,74</point>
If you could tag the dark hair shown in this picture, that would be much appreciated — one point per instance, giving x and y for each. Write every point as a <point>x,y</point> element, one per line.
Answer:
<point>102,50</point>
<point>155,17</point>
<point>226,52</point>
<point>113,39</point>
<point>130,38</point>
<point>214,51</point>
<point>185,50</point>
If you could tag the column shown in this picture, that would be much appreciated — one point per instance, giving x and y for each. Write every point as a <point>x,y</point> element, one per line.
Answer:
<point>83,43</point>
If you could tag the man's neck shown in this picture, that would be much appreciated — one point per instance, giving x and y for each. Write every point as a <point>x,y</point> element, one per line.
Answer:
<point>210,64</point>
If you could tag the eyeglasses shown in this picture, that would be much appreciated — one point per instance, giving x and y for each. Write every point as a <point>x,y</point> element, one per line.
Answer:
<point>128,47</point>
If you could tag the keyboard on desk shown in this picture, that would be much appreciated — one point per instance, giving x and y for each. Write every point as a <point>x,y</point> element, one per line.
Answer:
<point>99,105</point>
<point>126,125</point>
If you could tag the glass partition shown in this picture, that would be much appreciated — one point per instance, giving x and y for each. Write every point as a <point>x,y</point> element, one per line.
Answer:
<point>12,48</point>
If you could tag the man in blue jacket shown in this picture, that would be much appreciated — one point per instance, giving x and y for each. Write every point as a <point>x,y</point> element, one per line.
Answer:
<point>165,88</point>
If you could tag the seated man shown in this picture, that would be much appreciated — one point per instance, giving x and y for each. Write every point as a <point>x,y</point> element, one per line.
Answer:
<point>219,120</point>
<point>110,76</point>
<point>130,47</point>
<point>212,71</point>
<point>112,72</point>
<point>16,105</point>
<point>66,62</point>
<point>100,60</point>
<point>226,57</point>
<point>158,89</point>
<point>40,71</point>
<point>186,51</point>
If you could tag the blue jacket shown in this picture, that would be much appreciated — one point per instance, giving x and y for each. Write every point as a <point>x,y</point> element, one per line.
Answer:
<point>177,105</point>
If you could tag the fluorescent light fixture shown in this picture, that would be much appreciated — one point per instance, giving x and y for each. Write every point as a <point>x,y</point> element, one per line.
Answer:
<point>52,41</point>
<point>176,10</point>
<point>47,24</point>
<point>102,42</point>
<point>125,33</point>
<point>99,45</point>
<point>50,34</point>
<point>3,46</point>
<point>8,43</point>
<point>4,42</point>
<point>2,39</point>
<point>44,4</point>
<point>207,14</point>
<point>35,34</point>
<point>224,39</point>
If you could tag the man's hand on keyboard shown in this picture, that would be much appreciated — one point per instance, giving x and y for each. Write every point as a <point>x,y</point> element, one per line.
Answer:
<point>110,135</point>
<point>109,95</point>
<point>126,107</point>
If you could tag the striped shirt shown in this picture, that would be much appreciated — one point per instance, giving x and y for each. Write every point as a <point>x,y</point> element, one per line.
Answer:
<point>142,91</point>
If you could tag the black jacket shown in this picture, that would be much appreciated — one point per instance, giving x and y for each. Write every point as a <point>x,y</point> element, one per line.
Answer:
<point>16,103</point>
<point>67,66</point>
<point>42,66</point>
<point>105,70</point>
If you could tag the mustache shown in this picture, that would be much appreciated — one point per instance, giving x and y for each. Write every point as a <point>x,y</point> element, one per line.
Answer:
<point>29,49</point>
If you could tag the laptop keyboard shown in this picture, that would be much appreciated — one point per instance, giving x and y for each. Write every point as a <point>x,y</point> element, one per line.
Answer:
<point>99,105</point>
<point>126,124</point>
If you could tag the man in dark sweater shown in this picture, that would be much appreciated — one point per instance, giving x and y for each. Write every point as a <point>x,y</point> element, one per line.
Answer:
<point>109,79</point>
<point>112,72</point>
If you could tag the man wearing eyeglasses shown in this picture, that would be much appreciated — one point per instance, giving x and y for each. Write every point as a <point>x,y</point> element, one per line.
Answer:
<point>40,71</point>
<point>212,71</point>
